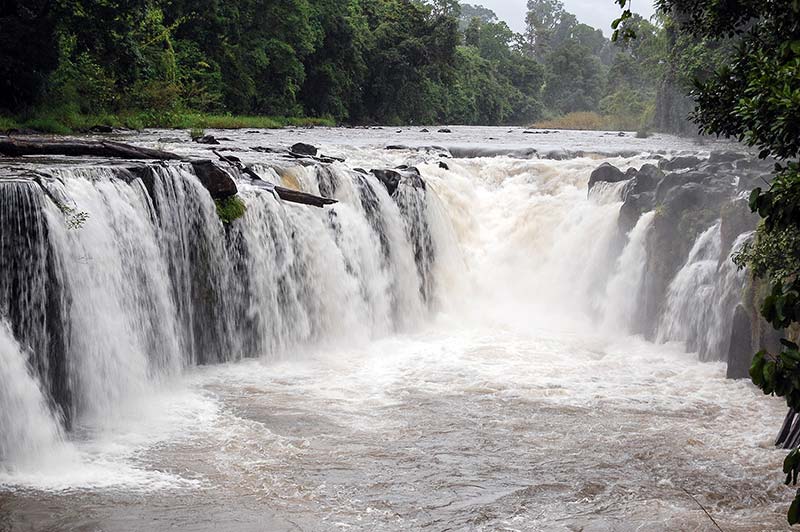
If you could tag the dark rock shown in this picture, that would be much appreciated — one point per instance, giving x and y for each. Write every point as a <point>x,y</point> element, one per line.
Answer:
<point>264,149</point>
<point>736,219</point>
<point>101,129</point>
<point>216,180</point>
<point>725,157</point>
<point>445,130</point>
<point>389,178</point>
<point>608,173</point>
<point>443,166</point>
<point>207,139</point>
<point>740,352</point>
<point>424,130</point>
<point>679,163</point>
<point>647,179</point>
<point>631,172</point>
<point>302,148</point>
<point>171,140</point>
<point>392,179</point>
<point>621,134</point>
<point>634,206</point>
<point>231,158</point>
<point>397,147</point>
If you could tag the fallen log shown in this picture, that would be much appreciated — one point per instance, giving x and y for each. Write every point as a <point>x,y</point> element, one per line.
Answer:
<point>15,147</point>
<point>286,194</point>
<point>304,198</point>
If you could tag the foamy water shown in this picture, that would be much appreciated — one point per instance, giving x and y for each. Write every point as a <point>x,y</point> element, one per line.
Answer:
<point>518,403</point>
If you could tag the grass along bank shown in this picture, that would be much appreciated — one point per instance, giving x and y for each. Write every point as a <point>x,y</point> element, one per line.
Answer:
<point>66,123</point>
<point>594,122</point>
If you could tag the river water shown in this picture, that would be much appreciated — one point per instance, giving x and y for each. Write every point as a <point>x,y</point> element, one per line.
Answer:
<point>516,401</point>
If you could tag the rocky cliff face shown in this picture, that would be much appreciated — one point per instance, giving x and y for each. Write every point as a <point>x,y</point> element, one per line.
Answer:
<point>692,292</point>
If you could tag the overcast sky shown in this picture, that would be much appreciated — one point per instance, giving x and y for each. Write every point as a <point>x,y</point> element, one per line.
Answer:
<point>597,13</point>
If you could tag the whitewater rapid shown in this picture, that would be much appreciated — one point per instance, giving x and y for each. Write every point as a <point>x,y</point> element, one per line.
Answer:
<point>466,362</point>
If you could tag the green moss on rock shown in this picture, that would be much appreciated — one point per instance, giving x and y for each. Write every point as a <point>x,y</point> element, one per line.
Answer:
<point>230,209</point>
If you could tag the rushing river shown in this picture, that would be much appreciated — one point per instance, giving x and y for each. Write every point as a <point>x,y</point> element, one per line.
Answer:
<point>498,387</point>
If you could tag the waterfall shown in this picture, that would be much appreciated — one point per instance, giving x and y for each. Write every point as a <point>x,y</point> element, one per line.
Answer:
<point>117,279</point>
<point>29,428</point>
<point>624,289</point>
<point>702,297</point>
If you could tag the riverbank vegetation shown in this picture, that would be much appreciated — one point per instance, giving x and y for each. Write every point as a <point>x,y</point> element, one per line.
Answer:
<point>69,66</point>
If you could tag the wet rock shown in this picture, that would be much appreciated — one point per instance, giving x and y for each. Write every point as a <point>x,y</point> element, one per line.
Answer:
<point>740,352</point>
<point>647,179</point>
<point>216,180</point>
<point>608,173</point>
<point>735,219</point>
<point>207,139</point>
<point>634,206</point>
<point>397,147</point>
<point>389,178</point>
<point>443,166</point>
<point>679,163</point>
<point>264,149</point>
<point>101,129</point>
<point>725,157</point>
<point>445,130</point>
<point>424,130</point>
<point>302,148</point>
<point>171,140</point>
<point>405,175</point>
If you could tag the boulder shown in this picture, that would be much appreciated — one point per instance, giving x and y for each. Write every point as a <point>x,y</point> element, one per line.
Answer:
<point>725,157</point>
<point>445,130</point>
<point>608,173</point>
<point>217,181</point>
<point>389,178</point>
<point>647,179</point>
<point>302,148</point>
<point>405,175</point>
<point>207,139</point>
<point>680,163</point>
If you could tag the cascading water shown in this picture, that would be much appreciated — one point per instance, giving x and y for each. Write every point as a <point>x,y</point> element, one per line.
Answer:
<point>440,352</point>
<point>623,290</point>
<point>29,427</point>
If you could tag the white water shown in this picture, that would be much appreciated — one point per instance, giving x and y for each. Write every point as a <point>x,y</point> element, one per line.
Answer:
<point>624,288</point>
<point>512,399</point>
<point>29,429</point>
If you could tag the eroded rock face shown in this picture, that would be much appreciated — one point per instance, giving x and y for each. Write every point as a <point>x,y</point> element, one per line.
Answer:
<point>216,180</point>
<point>689,195</point>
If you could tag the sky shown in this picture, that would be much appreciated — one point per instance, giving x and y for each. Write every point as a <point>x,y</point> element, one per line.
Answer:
<point>597,13</point>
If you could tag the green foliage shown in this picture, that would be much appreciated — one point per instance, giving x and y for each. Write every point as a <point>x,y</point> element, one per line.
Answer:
<point>230,209</point>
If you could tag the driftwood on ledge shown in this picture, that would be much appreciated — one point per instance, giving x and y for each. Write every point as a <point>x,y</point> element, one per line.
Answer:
<point>286,194</point>
<point>15,147</point>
